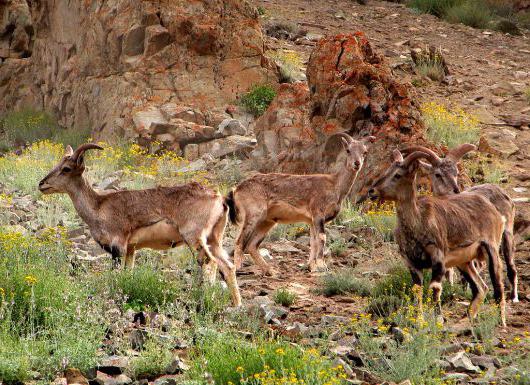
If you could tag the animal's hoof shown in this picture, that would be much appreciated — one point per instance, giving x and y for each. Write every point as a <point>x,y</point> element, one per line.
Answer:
<point>515,300</point>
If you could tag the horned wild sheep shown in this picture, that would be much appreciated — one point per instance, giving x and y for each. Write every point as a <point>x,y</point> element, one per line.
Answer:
<point>158,218</point>
<point>261,201</point>
<point>443,174</point>
<point>443,232</point>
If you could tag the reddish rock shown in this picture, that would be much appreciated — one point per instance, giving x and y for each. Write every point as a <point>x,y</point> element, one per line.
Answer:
<point>351,89</point>
<point>93,63</point>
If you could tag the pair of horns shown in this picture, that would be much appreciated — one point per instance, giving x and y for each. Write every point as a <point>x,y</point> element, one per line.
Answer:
<point>349,139</point>
<point>455,154</point>
<point>398,157</point>
<point>79,152</point>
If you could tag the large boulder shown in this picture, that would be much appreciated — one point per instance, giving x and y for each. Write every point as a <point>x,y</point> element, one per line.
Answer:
<point>99,64</point>
<point>350,89</point>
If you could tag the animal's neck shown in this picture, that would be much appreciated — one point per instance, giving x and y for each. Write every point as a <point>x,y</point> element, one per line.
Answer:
<point>344,179</point>
<point>407,209</point>
<point>84,198</point>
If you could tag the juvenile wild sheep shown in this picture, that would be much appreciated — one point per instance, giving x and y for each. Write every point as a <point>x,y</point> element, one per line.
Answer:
<point>159,218</point>
<point>440,233</point>
<point>443,173</point>
<point>261,201</point>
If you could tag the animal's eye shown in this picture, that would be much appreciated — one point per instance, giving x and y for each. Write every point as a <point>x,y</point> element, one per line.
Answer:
<point>66,169</point>
<point>397,176</point>
<point>438,176</point>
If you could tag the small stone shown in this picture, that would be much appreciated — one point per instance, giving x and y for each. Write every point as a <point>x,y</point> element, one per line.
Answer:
<point>177,366</point>
<point>74,377</point>
<point>461,362</point>
<point>156,38</point>
<point>167,380</point>
<point>331,320</point>
<point>133,42</point>
<point>105,379</point>
<point>297,329</point>
<point>113,365</point>
<point>231,127</point>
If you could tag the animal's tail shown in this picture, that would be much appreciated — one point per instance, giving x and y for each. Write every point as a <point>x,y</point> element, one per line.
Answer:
<point>231,203</point>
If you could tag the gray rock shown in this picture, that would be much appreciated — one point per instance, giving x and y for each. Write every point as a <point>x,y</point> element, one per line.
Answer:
<point>347,368</point>
<point>331,320</point>
<point>167,380</point>
<point>273,313</point>
<point>105,379</point>
<point>485,362</point>
<point>113,365</point>
<point>461,363</point>
<point>231,127</point>
<point>133,41</point>
<point>177,366</point>
<point>298,329</point>
<point>456,377</point>
<point>110,182</point>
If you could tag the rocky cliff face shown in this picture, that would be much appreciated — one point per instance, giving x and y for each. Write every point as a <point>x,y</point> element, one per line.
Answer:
<point>162,69</point>
<point>350,89</point>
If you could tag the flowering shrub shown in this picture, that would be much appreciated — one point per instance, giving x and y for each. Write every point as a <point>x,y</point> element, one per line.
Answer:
<point>449,128</point>
<point>42,309</point>
<point>233,361</point>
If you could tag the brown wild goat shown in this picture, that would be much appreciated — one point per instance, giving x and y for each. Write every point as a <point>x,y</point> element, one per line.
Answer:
<point>261,201</point>
<point>159,218</point>
<point>443,232</point>
<point>443,173</point>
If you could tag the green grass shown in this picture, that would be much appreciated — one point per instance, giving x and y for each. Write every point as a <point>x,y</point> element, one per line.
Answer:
<point>258,99</point>
<point>144,287</point>
<point>527,94</point>
<point>152,361</point>
<point>413,358</point>
<point>382,219</point>
<point>42,309</point>
<point>487,320</point>
<point>229,359</point>
<point>434,7</point>
<point>342,282</point>
<point>471,13</point>
<point>449,127</point>
<point>485,170</point>
<point>284,297</point>
<point>28,126</point>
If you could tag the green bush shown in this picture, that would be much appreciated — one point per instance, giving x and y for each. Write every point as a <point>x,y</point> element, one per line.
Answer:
<point>342,282</point>
<point>413,356</point>
<point>152,361</point>
<point>42,309</point>
<point>284,297</point>
<point>258,99</point>
<point>29,126</point>
<point>434,7</point>
<point>450,128</point>
<point>383,305</point>
<point>144,287</point>
<point>231,360</point>
<point>487,320</point>
<point>471,13</point>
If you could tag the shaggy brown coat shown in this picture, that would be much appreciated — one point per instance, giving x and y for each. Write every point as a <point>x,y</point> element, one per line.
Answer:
<point>443,232</point>
<point>159,218</point>
<point>260,202</point>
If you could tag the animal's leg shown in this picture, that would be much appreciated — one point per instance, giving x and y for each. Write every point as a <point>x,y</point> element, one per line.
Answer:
<point>438,272</point>
<point>208,266</point>
<point>450,276</point>
<point>495,270</point>
<point>478,292</point>
<point>320,243</point>
<point>238,246</point>
<point>130,258</point>
<point>508,251</point>
<point>260,232</point>
<point>227,268</point>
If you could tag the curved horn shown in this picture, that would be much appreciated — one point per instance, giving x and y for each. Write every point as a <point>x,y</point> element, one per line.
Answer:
<point>434,159</point>
<point>414,156</point>
<point>458,152</point>
<point>345,136</point>
<point>82,148</point>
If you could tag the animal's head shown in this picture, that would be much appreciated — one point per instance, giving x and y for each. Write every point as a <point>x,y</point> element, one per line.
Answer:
<point>443,172</point>
<point>396,181</point>
<point>71,166</point>
<point>355,150</point>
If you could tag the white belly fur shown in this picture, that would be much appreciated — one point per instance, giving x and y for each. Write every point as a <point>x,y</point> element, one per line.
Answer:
<point>159,236</point>
<point>285,213</point>
<point>462,255</point>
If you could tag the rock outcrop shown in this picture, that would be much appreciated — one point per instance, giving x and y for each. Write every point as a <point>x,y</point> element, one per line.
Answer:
<point>350,89</point>
<point>162,69</point>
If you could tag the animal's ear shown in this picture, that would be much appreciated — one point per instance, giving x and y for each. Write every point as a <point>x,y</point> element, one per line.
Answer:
<point>69,151</point>
<point>425,166</point>
<point>369,139</point>
<point>345,143</point>
<point>397,156</point>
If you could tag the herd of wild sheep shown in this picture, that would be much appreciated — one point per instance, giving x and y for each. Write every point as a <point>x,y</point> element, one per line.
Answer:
<point>450,229</point>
